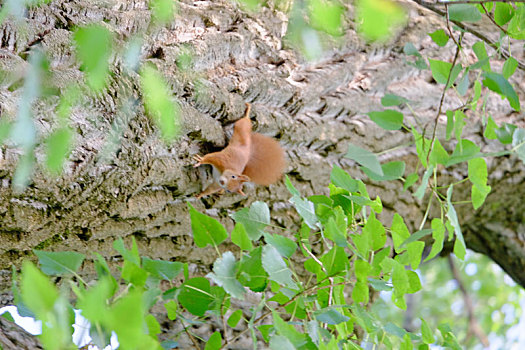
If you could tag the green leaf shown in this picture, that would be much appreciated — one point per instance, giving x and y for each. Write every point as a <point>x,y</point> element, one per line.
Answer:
<point>464,151</point>
<point>37,292</point>
<point>459,124</point>
<point>426,332</point>
<point>463,83</point>
<point>335,260</point>
<point>463,13</point>
<point>505,133</point>
<point>162,10</point>
<point>477,171</point>
<point>490,129</point>
<point>416,236</point>
<point>375,230</point>
<point>326,16</point>
<point>276,268</point>
<point>360,292</point>
<point>377,19</point>
<point>296,338</point>
<point>388,119</point>
<point>438,234</point>
<point>93,44</point>
<point>59,263</point>
<point>166,270</point>
<point>206,230</point>
<point>420,192</point>
<point>214,342</point>
<point>336,233</point>
<point>306,210</point>
<point>399,278</point>
<point>126,318</point>
<point>459,245</point>
<point>159,103</point>
<point>152,324</point>
<point>224,275</point>
<point>441,70</point>
<point>481,54</point>
<point>252,273</point>
<point>195,295</point>
<point>439,37</point>
<point>364,158</point>
<point>58,147</point>
<point>134,274</point>
<point>438,155</point>
<point>291,187</point>
<point>234,318</point>
<point>410,50</point>
<point>240,237</point>
<point>391,171</point>
<point>330,316</point>
<point>450,125</point>
<point>128,255</point>
<point>284,245</point>
<point>342,179</point>
<point>254,219</point>
<point>509,67</point>
<point>395,330</point>
<point>389,100</point>
<point>93,301</point>
<point>379,285</point>
<point>279,342</point>
<point>415,253</point>
<point>410,180</point>
<point>503,13</point>
<point>362,269</point>
<point>497,83</point>
<point>399,233</point>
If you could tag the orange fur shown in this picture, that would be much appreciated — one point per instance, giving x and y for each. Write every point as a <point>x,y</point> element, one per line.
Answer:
<point>248,157</point>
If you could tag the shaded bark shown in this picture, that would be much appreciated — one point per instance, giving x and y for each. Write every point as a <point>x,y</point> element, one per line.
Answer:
<point>140,187</point>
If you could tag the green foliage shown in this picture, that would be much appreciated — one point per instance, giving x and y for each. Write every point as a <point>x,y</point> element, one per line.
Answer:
<point>377,19</point>
<point>159,103</point>
<point>343,243</point>
<point>94,44</point>
<point>439,37</point>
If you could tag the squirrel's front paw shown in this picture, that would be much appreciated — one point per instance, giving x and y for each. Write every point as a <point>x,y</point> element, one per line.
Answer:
<point>198,159</point>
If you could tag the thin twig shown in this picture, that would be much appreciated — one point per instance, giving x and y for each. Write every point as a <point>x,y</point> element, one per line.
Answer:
<point>193,340</point>
<point>449,28</point>
<point>458,48</point>
<point>489,15</point>
<point>469,29</point>
<point>473,325</point>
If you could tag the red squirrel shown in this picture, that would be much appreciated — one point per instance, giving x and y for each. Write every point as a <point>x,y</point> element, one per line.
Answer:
<point>249,156</point>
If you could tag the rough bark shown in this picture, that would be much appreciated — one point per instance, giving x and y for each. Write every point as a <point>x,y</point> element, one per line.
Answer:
<point>315,110</point>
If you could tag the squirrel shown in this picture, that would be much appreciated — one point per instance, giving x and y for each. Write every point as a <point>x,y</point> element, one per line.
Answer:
<point>249,157</point>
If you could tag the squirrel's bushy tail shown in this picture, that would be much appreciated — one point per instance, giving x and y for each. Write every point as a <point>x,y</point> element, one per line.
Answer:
<point>266,164</point>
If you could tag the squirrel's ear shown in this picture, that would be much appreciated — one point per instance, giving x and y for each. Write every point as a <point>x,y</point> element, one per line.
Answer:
<point>244,178</point>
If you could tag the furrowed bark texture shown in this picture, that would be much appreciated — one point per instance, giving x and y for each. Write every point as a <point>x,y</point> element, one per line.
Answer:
<point>139,187</point>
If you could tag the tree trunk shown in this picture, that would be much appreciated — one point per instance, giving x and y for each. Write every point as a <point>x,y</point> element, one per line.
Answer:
<point>140,186</point>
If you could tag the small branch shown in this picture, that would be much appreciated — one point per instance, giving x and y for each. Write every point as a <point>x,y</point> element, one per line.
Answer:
<point>488,41</point>
<point>458,48</point>
<point>489,15</point>
<point>449,2</point>
<point>473,325</point>
<point>188,333</point>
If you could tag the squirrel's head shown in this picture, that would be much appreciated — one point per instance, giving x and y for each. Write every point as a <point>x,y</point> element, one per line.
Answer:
<point>232,182</point>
